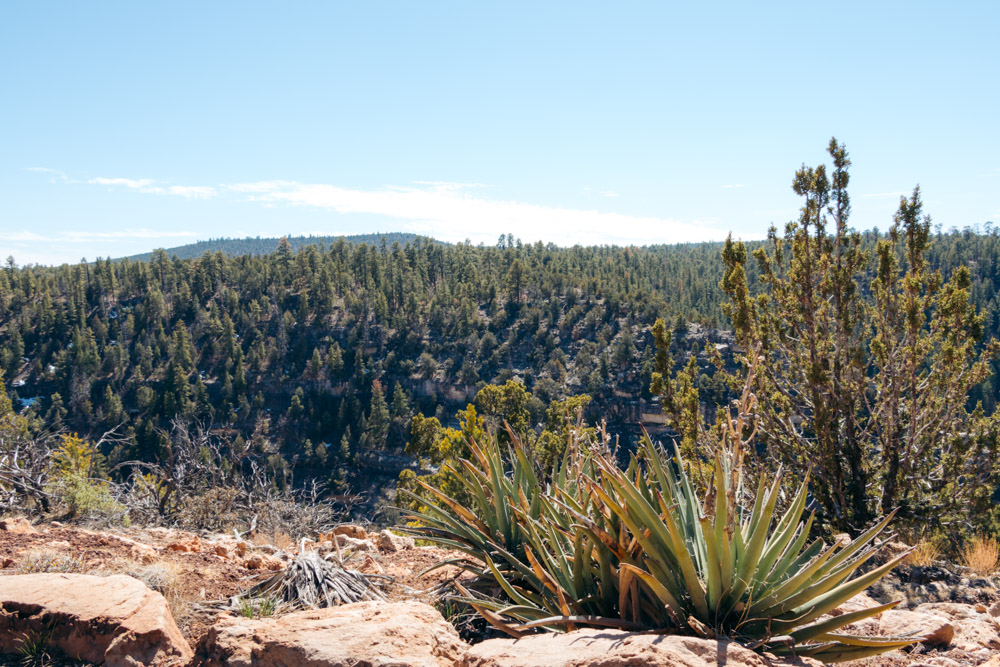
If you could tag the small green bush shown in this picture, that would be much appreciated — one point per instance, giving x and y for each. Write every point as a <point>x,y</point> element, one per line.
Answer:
<point>87,498</point>
<point>257,607</point>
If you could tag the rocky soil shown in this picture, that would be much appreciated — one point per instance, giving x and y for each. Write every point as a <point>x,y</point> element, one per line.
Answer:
<point>161,597</point>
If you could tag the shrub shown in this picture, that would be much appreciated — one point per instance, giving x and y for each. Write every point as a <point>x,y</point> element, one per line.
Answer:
<point>160,577</point>
<point>88,498</point>
<point>925,553</point>
<point>42,560</point>
<point>981,555</point>
<point>638,549</point>
<point>258,607</point>
<point>74,480</point>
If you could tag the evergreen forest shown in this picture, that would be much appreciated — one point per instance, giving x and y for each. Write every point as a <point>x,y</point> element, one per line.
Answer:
<point>324,360</point>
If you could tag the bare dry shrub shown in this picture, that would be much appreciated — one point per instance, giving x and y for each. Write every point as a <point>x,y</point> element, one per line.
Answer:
<point>925,553</point>
<point>206,482</point>
<point>216,510</point>
<point>38,561</point>
<point>164,578</point>
<point>981,555</point>
<point>161,577</point>
<point>300,515</point>
<point>278,540</point>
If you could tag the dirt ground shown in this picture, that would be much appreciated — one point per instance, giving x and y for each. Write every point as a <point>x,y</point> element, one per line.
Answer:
<point>194,579</point>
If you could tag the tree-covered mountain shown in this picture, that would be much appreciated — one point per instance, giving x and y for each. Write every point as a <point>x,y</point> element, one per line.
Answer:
<point>320,357</point>
<point>265,246</point>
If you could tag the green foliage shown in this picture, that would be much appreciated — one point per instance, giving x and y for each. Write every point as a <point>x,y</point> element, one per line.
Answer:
<point>505,405</point>
<point>74,456</point>
<point>639,549</point>
<point>505,416</point>
<point>230,336</point>
<point>563,424</point>
<point>257,607</point>
<point>87,498</point>
<point>35,650</point>
<point>438,446</point>
<point>74,479</point>
<point>868,366</point>
<point>230,340</point>
<point>6,407</point>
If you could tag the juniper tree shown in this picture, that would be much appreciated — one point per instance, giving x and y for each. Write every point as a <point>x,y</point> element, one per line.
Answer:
<point>864,380</point>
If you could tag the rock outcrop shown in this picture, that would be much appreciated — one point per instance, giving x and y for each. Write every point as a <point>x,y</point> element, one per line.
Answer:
<point>21,526</point>
<point>928,628</point>
<point>388,541</point>
<point>351,530</point>
<point>975,631</point>
<point>114,621</point>
<point>614,648</point>
<point>366,633</point>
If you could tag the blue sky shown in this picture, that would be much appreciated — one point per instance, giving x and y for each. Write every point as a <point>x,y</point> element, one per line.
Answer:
<point>126,126</point>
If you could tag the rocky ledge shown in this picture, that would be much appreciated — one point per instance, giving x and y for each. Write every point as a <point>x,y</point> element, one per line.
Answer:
<point>117,620</point>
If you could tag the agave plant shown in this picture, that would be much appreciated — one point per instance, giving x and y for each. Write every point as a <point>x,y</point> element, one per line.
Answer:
<point>640,549</point>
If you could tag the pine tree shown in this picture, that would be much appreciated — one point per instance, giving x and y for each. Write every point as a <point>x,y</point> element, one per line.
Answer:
<point>377,422</point>
<point>335,360</point>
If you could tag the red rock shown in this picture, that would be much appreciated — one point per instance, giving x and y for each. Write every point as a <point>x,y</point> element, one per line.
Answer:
<point>113,621</point>
<point>857,603</point>
<point>190,545</point>
<point>20,526</point>
<point>263,562</point>
<point>926,627</point>
<point>614,648</point>
<point>974,630</point>
<point>367,633</point>
<point>361,546</point>
<point>351,530</point>
<point>387,541</point>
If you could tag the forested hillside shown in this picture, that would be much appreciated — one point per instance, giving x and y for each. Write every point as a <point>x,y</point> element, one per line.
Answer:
<point>265,246</point>
<point>319,358</point>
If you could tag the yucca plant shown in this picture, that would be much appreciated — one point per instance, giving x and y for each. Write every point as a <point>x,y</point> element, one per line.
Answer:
<point>640,549</point>
<point>520,534</point>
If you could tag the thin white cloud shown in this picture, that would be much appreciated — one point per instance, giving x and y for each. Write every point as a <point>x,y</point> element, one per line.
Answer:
<point>21,237</point>
<point>731,186</point>
<point>452,214</point>
<point>149,186</point>
<point>445,210</point>
<point>192,191</point>
<point>448,186</point>
<point>146,185</point>
<point>86,237</point>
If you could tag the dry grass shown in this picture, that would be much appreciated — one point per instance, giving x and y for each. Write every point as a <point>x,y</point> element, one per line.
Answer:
<point>926,552</point>
<point>279,540</point>
<point>43,560</point>
<point>164,578</point>
<point>161,577</point>
<point>981,555</point>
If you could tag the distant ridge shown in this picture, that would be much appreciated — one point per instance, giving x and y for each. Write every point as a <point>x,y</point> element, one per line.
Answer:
<point>265,246</point>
